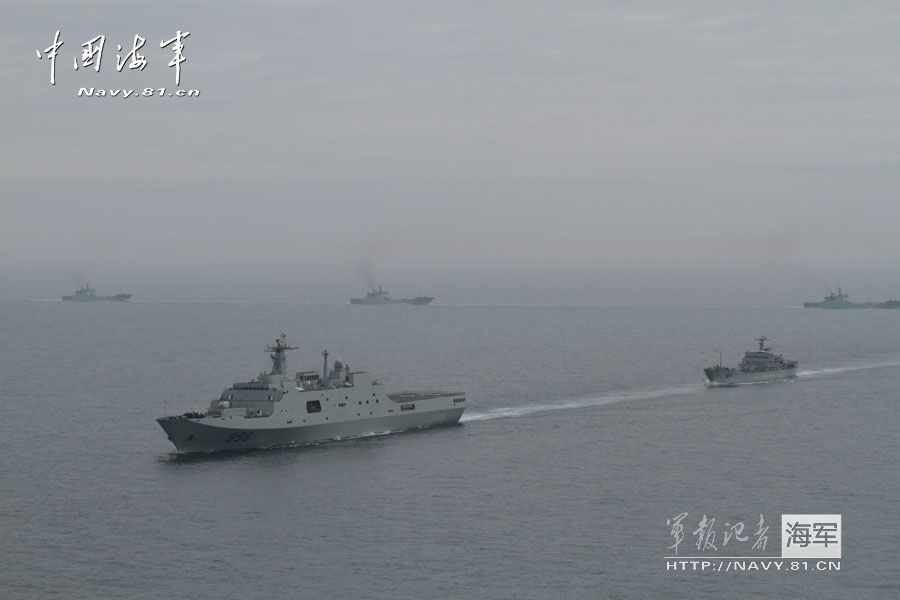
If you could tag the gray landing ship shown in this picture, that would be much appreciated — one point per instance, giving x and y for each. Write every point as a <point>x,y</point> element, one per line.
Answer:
<point>381,296</point>
<point>87,294</point>
<point>275,409</point>
<point>757,366</point>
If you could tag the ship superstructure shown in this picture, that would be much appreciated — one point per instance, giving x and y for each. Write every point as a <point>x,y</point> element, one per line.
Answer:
<point>88,294</point>
<point>757,366</point>
<point>275,409</point>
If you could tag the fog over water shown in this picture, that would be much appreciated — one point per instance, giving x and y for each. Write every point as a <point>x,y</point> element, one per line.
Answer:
<point>518,152</point>
<point>320,242</point>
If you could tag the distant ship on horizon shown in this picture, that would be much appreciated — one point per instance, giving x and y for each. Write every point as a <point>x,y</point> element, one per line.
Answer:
<point>381,296</point>
<point>88,294</point>
<point>842,300</point>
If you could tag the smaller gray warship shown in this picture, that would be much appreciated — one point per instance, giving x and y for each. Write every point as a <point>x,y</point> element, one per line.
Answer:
<point>842,300</point>
<point>757,366</point>
<point>87,294</point>
<point>381,296</point>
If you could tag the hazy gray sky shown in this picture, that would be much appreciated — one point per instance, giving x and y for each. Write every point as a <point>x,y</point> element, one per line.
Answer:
<point>546,152</point>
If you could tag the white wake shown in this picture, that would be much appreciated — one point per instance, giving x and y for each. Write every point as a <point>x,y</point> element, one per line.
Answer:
<point>530,409</point>
<point>649,394</point>
<point>830,371</point>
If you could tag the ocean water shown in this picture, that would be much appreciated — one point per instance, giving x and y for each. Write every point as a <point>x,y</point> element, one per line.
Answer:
<point>587,429</point>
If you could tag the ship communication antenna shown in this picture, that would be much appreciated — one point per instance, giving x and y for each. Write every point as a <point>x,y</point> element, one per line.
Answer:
<point>325,365</point>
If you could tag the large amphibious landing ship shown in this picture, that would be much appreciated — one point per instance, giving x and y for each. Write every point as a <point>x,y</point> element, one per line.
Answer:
<point>87,294</point>
<point>275,409</point>
<point>381,296</point>
<point>758,365</point>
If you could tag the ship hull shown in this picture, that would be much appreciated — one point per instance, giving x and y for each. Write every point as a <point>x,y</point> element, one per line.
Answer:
<point>192,436</point>
<point>421,300</point>
<point>726,376</point>
<point>116,298</point>
<point>842,305</point>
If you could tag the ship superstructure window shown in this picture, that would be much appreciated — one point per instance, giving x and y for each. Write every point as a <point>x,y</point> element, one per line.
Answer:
<point>407,407</point>
<point>313,406</point>
<point>307,377</point>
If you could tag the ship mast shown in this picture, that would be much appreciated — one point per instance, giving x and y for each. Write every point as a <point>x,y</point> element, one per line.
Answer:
<point>279,361</point>
<point>761,340</point>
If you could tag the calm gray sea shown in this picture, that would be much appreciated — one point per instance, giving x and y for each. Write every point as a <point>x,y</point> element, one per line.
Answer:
<point>587,429</point>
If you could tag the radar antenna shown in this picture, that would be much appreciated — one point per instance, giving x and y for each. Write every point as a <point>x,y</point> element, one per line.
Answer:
<point>279,361</point>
